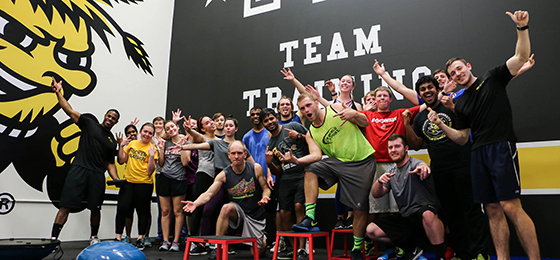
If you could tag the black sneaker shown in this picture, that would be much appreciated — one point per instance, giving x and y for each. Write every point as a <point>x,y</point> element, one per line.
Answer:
<point>414,255</point>
<point>356,254</point>
<point>198,249</point>
<point>213,254</point>
<point>348,223</point>
<point>339,223</point>
<point>306,225</point>
<point>301,254</point>
<point>140,244</point>
<point>286,254</point>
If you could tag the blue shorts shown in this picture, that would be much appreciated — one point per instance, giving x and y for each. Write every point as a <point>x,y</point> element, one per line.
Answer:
<point>495,172</point>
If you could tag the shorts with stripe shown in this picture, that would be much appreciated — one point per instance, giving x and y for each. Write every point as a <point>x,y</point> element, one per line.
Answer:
<point>495,172</point>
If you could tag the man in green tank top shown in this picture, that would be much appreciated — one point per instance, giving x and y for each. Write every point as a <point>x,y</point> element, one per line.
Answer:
<point>351,164</point>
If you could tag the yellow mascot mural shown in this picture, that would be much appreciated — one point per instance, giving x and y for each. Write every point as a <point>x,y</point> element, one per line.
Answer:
<point>40,39</point>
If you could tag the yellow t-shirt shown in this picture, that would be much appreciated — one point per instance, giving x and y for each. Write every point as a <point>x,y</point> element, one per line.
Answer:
<point>137,165</point>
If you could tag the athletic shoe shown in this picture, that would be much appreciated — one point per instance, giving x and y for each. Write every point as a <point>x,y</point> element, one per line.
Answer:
<point>213,254</point>
<point>480,257</point>
<point>147,242</point>
<point>231,251</point>
<point>125,239</point>
<point>174,247</point>
<point>389,254</point>
<point>399,252</point>
<point>94,240</point>
<point>301,255</point>
<point>140,244</point>
<point>164,246</point>
<point>306,225</point>
<point>422,258</point>
<point>370,247</point>
<point>281,246</point>
<point>286,254</point>
<point>197,249</point>
<point>356,254</point>
<point>307,246</point>
<point>449,254</point>
<point>339,223</point>
<point>348,223</point>
<point>414,255</point>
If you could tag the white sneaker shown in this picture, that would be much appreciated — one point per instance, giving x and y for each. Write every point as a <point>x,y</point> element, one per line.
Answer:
<point>94,240</point>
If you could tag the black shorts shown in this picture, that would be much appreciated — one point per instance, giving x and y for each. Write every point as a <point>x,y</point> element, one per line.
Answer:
<point>404,230</point>
<point>495,172</point>
<point>83,186</point>
<point>167,187</point>
<point>292,192</point>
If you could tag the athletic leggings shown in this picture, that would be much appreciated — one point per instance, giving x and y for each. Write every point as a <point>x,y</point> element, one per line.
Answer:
<point>134,196</point>
<point>201,184</point>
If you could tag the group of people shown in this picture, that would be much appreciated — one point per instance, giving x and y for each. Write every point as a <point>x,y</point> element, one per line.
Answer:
<point>394,198</point>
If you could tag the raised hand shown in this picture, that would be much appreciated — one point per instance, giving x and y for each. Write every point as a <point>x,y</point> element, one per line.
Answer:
<point>288,74</point>
<point>386,177</point>
<point>449,86</point>
<point>346,114</point>
<point>135,121</point>
<point>176,115</point>
<point>152,150</point>
<point>269,155</point>
<point>313,91</point>
<point>176,148</point>
<point>125,142</point>
<point>371,106</point>
<point>289,157</point>
<point>447,102</point>
<point>406,116</point>
<point>293,134</point>
<point>379,69</point>
<point>161,144</point>
<point>330,85</point>
<point>521,18</point>
<point>56,86</point>
<point>433,117</point>
<point>187,124</point>
<point>119,138</point>
<point>423,170</point>
<point>184,139</point>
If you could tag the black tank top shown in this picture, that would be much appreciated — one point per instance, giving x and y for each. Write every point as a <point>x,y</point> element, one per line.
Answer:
<point>245,190</point>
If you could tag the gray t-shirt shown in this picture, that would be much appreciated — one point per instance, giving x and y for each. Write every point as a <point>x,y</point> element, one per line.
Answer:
<point>172,166</point>
<point>279,144</point>
<point>206,162</point>
<point>410,192</point>
<point>220,148</point>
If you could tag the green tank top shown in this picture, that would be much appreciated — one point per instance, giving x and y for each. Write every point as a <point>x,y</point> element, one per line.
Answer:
<point>346,142</point>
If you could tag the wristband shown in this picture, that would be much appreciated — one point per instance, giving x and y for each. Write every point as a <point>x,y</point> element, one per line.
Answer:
<point>299,136</point>
<point>523,28</point>
<point>378,180</point>
<point>334,94</point>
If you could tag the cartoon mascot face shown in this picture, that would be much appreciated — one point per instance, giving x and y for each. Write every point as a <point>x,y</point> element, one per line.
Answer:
<point>40,39</point>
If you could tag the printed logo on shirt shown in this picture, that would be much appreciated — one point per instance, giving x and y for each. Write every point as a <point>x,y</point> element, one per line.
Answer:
<point>432,131</point>
<point>331,133</point>
<point>480,85</point>
<point>138,155</point>
<point>243,189</point>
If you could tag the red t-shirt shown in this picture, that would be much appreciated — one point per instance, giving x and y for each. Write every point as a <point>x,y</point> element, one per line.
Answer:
<point>384,124</point>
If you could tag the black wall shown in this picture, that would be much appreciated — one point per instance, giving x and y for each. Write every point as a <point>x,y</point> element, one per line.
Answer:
<point>216,54</point>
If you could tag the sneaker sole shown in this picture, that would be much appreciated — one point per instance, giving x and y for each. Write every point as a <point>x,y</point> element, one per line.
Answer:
<point>304,229</point>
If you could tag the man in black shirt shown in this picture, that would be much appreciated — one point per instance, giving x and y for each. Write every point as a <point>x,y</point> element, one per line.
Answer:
<point>450,165</point>
<point>485,108</point>
<point>95,155</point>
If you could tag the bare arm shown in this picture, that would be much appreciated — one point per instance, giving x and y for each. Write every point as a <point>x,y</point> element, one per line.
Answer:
<point>458,136</point>
<point>198,146</point>
<point>66,107</point>
<point>523,46</point>
<point>259,173</point>
<point>378,189</point>
<point>122,156</point>
<point>185,157</point>
<point>196,136</point>
<point>409,94</point>
<point>415,142</point>
<point>349,114</point>
<point>152,160</point>
<point>112,169</point>
<point>313,156</point>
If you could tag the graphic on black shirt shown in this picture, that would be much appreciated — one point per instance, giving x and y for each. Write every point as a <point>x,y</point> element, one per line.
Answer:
<point>432,131</point>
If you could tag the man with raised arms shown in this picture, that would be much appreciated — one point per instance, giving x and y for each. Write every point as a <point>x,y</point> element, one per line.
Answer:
<point>485,109</point>
<point>246,186</point>
<point>351,163</point>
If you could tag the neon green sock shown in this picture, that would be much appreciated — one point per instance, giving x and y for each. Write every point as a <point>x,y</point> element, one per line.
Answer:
<point>310,210</point>
<point>358,243</point>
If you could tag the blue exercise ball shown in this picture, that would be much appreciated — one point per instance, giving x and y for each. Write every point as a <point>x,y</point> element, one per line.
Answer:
<point>113,250</point>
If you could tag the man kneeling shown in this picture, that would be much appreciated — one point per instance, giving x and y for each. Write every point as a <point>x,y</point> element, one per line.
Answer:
<point>248,192</point>
<point>414,191</point>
